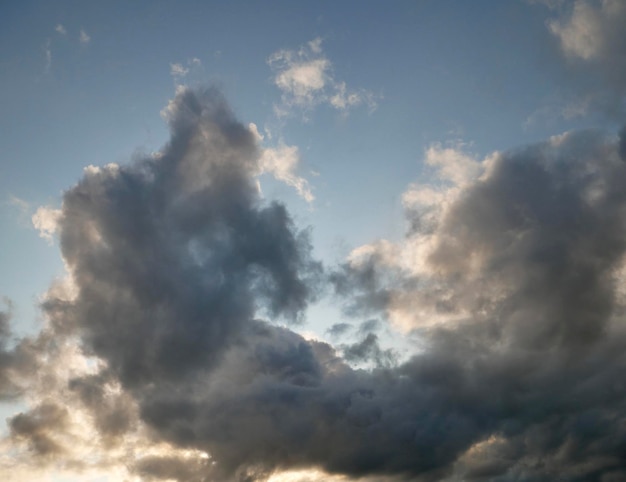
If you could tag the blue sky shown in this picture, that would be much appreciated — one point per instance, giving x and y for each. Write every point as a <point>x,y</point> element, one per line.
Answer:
<point>373,123</point>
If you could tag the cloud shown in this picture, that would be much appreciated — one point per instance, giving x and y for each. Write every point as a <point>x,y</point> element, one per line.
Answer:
<point>520,270</point>
<point>306,80</point>
<point>282,162</point>
<point>83,37</point>
<point>60,29</point>
<point>177,70</point>
<point>179,257</point>
<point>591,37</point>
<point>180,71</point>
<point>46,220</point>
<point>10,387</point>
<point>167,352</point>
<point>592,31</point>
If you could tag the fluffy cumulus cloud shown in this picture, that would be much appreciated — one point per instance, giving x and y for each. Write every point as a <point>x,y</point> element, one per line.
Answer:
<point>45,220</point>
<point>305,79</point>
<point>162,358</point>
<point>511,278</point>
<point>167,351</point>
<point>173,262</point>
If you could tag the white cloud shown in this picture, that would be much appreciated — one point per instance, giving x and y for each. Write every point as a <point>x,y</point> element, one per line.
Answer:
<point>581,35</point>
<point>592,37</point>
<point>282,162</point>
<point>60,29</point>
<point>452,163</point>
<point>84,38</point>
<point>46,220</point>
<point>454,170</point>
<point>305,79</point>
<point>594,31</point>
<point>177,70</point>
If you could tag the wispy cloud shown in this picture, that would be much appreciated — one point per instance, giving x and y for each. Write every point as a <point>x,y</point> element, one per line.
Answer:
<point>83,37</point>
<point>282,162</point>
<point>305,78</point>
<point>179,71</point>
<point>60,29</point>
<point>47,50</point>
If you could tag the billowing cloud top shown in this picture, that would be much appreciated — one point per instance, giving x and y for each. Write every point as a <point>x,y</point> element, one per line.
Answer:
<point>162,358</point>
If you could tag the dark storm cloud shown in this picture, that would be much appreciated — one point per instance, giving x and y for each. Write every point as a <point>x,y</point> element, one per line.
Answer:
<point>176,259</point>
<point>173,254</point>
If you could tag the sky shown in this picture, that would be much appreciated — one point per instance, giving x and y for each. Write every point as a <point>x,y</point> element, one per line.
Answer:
<point>323,241</point>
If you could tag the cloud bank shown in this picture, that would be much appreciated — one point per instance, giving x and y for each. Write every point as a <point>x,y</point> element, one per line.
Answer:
<point>167,352</point>
<point>162,356</point>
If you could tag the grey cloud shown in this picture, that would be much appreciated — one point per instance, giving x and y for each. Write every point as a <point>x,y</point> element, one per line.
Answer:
<point>173,254</point>
<point>370,326</point>
<point>38,427</point>
<point>368,349</point>
<point>172,468</point>
<point>112,412</point>
<point>362,289</point>
<point>11,359</point>
<point>176,261</point>
<point>6,385</point>
<point>532,253</point>
<point>339,329</point>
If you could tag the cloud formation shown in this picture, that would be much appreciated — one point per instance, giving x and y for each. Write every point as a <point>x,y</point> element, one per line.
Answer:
<point>167,353</point>
<point>591,36</point>
<point>305,79</point>
<point>83,37</point>
<point>513,282</point>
